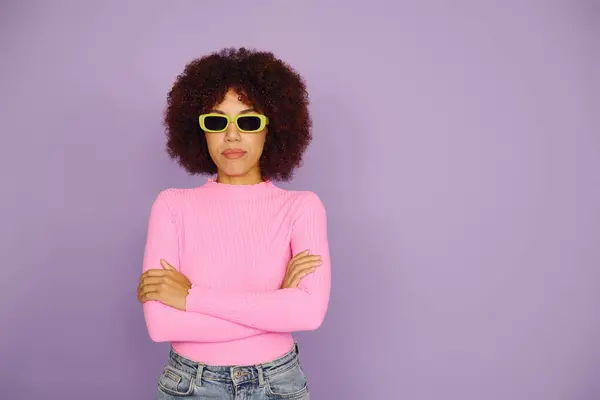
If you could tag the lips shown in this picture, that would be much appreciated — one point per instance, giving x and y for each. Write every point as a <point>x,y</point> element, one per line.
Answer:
<point>233,153</point>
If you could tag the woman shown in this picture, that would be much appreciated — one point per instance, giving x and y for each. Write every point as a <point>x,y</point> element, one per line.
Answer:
<point>233,266</point>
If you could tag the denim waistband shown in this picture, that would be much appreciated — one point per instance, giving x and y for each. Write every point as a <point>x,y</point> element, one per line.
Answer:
<point>234,374</point>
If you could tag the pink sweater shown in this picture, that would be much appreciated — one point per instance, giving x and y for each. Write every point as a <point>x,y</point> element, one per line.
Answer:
<point>234,242</point>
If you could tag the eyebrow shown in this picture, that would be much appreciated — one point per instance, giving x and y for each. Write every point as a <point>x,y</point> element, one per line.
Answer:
<point>247,110</point>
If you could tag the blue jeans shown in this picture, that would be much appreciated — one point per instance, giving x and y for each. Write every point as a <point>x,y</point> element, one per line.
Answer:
<point>282,378</point>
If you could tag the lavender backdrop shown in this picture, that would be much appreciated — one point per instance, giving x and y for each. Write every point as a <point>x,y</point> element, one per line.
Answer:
<point>457,149</point>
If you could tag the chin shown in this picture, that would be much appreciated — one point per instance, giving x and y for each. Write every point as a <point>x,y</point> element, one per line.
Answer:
<point>235,172</point>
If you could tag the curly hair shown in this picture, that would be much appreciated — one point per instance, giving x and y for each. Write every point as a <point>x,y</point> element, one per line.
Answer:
<point>262,81</point>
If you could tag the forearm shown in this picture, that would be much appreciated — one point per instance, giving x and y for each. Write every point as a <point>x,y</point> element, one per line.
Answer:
<point>284,310</point>
<point>167,324</point>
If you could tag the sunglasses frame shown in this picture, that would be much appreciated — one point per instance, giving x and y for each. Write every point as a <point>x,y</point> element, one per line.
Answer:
<point>264,121</point>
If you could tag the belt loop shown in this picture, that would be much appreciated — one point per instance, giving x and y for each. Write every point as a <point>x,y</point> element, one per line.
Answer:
<point>261,376</point>
<point>297,348</point>
<point>199,371</point>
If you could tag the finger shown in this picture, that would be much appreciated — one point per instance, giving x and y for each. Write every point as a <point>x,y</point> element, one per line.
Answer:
<point>307,259</point>
<point>161,288</point>
<point>300,260</point>
<point>304,265</point>
<point>153,272</point>
<point>167,283</point>
<point>296,274</point>
<point>166,265</point>
<point>170,276</point>
<point>178,277</point>
<point>143,282</point>
<point>298,277</point>
<point>144,275</point>
<point>146,289</point>
<point>301,254</point>
<point>301,268</point>
<point>155,280</point>
<point>150,296</point>
<point>303,271</point>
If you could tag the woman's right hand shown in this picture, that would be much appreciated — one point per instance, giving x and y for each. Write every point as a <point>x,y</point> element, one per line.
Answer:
<point>298,267</point>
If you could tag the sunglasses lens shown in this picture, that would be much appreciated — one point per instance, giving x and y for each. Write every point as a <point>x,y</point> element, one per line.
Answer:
<point>215,123</point>
<point>249,123</point>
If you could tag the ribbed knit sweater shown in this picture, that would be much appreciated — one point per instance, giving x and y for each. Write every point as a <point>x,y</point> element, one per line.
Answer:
<point>233,242</point>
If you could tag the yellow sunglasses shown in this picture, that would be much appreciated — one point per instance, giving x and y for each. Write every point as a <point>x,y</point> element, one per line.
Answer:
<point>247,123</point>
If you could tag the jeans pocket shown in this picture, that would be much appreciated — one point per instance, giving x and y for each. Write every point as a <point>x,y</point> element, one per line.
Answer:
<point>175,382</point>
<point>288,384</point>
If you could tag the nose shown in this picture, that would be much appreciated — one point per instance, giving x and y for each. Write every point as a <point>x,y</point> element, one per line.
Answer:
<point>232,134</point>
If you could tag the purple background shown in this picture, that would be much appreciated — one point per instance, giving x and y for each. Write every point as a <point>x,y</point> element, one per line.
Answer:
<point>457,149</point>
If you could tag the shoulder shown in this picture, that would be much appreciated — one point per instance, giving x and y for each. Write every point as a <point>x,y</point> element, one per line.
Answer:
<point>311,199</point>
<point>306,201</point>
<point>171,195</point>
<point>171,198</point>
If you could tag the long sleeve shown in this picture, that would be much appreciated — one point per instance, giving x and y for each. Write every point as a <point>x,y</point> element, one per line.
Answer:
<point>167,324</point>
<point>285,310</point>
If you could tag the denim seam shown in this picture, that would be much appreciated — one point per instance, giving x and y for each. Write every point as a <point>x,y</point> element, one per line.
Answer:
<point>282,368</point>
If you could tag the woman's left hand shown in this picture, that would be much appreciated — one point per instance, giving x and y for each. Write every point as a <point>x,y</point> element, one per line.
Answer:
<point>166,285</point>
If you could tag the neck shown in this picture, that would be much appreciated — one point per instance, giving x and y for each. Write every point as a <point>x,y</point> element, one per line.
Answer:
<point>240,191</point>
<point>251,178</point>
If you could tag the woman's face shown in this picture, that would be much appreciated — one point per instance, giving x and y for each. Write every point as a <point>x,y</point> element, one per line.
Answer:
<point>236,154</point>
